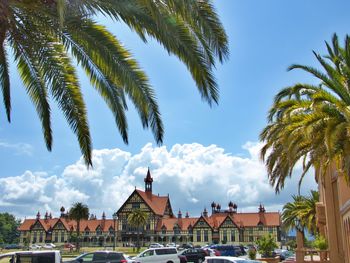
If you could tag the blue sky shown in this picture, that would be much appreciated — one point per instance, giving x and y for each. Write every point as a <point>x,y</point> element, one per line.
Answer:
<point>265,38</point>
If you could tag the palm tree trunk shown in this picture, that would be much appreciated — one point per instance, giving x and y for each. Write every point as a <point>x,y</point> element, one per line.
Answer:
<point>4,11</point>
<point>78,235</point>
<point>138,238</point>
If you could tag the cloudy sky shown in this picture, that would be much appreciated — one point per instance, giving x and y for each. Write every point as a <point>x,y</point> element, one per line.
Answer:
<point>209,154</point>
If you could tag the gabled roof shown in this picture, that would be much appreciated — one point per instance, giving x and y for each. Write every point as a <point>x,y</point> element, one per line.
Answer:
<point>210,222</point>
<point>155,202</point>
<point>229,217</point>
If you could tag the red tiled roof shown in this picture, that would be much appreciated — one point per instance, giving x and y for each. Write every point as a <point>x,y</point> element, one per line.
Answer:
<point>169,223</point>
<point>155,202</point>
<point>27,224</point>
<point>252,219</point>
<point>69,224</point>
<point>244,219</point>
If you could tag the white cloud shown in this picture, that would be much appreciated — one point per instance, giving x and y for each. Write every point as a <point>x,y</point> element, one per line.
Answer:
<point>18,148</point>
<point>192,174</point>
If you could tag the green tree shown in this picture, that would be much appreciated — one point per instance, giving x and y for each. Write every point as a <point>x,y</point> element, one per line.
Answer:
<point>43,40</point>
<point>266,245</point>
<point>138,219</point>
<point>9,228</point>
<point>78,212</point>
<point>310,123</point>
<point>301,213</point>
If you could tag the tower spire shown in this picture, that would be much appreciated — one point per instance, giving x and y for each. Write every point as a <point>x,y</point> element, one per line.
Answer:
<point>148,182</point>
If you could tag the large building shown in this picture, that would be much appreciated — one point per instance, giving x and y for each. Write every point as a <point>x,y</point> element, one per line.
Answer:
<point>163,226</point>
<point>333,212</point>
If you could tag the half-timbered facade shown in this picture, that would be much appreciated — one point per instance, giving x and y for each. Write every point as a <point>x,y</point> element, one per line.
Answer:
<point>93,232</point>
<point>226,226</point>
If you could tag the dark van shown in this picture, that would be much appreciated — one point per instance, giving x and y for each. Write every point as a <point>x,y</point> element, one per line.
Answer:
<point>228,250</point>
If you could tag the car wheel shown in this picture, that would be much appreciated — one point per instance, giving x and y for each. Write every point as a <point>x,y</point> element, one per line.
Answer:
<point>170,262</point>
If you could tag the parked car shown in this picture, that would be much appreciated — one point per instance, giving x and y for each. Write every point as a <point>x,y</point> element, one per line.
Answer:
<point>182,258</point>
<point>49,246</point>
<point>172,245</point>
<point>212,252</point>
<point>196,255</point>
<point>229,250</point>
<point>34,247</point>
<point>129,259</point>
<point>155,245</point>
<point>100,257</point>
<point>285,254</point>
<point>158,255</point>
<point>223,259</point>
<point>12,246</point>
<point>51,256</point>
<point>69,245</point>
<point>187,245</point>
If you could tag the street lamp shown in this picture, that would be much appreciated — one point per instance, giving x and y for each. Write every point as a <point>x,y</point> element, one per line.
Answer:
<point>115,217</point>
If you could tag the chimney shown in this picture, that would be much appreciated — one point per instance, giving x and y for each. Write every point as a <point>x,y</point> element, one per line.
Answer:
<point>205,212</point>
<point>179,214</point>
<point>62,211</point>
<point>38,215</point>
<point>187,215</point>
<point>235,208</point>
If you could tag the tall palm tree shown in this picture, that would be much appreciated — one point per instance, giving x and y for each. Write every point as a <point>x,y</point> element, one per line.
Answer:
<point>78,212</point>
<point>310,123</point>
<point>137,218</point>
<point>301,213</point>
<point>43,40</point>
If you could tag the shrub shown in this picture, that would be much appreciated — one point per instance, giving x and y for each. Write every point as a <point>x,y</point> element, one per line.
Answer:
<point>266,245</point>
<point>252,254</point>
<point>320,243</point>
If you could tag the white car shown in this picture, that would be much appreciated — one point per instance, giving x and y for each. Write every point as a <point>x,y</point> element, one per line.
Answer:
<point>51,256</point>
<point>129,259</point>
<point>34,247</point>
<point>223,259</point>
<point>49,246</point>
<point>172,245</point>
<point>155,245</point>
<point>158,255</point>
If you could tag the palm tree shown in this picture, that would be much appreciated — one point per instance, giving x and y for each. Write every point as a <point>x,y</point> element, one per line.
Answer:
<point>137,218</point>
<point>78,212</point>
<point>301,213</point>
<point>310,123</point>
<point>43,40</point>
